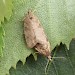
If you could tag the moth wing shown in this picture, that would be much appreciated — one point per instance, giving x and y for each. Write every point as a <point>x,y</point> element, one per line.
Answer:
<point>30,36</point>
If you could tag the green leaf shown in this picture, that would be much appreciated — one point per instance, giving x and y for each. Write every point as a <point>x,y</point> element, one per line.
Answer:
<point>5,9</point>
<point>59,66</point>
<point>57,18</point>
<point>5,12</point>
<point>15,48</point>
<point>1,41</point>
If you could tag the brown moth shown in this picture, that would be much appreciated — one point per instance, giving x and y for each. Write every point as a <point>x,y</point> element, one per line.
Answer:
<point>35,36</point>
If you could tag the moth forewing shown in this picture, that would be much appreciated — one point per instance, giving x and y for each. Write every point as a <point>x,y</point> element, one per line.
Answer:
<point>35,36</point>
<point>29,31</point>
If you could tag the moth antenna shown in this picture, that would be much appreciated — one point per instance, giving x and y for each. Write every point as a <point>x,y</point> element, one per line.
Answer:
<point>49,60</point>
<point>47,66</point>
<point>58,57</point>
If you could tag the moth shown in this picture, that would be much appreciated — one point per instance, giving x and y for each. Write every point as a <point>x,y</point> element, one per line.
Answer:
<point>35,35</point>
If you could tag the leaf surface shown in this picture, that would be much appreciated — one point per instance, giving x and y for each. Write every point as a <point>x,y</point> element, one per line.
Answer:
<point>5,9</point>
<point>1,41</point>
<point>57,18</point>
<point>5,12</point>
<point>59,66</point>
